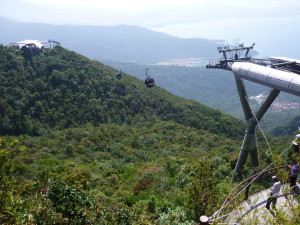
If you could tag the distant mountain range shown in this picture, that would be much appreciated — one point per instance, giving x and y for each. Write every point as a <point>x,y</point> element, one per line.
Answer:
<point>112,43</point>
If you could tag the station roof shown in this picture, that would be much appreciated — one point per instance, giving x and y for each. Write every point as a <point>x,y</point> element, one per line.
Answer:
<point>38,44</point>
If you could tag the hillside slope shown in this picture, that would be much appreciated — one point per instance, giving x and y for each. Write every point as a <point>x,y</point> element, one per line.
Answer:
<point>61,89</point>
<point>287,128</point>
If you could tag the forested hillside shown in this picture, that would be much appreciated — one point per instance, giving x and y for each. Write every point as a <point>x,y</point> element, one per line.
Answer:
<point>288,127</point>
<point>79,146</point>
<point>61,89</point>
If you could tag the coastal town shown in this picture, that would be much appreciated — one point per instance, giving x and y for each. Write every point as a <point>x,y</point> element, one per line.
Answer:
<point>278,105</point>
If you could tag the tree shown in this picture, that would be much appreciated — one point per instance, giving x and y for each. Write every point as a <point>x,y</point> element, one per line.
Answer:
<point>7,212</point>
<point>201,193</point>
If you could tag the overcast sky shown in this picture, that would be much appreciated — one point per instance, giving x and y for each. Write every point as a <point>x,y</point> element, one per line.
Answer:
<point>272,24</point>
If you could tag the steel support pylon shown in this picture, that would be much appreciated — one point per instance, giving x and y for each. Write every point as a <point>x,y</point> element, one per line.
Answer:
<point>249,145</point>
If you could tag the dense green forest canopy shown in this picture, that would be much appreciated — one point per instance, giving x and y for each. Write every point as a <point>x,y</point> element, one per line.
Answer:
<point>288,127</point>
<point>148,173</point>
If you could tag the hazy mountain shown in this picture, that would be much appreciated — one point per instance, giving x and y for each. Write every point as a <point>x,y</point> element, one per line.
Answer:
<point>111,43</point>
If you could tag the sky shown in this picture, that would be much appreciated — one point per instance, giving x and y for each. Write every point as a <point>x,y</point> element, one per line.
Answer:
<point>274,25</point>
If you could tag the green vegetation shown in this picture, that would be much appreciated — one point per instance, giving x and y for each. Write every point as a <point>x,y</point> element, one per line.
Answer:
<point>288,127</point>
<point>81,147</point>
<point>141,172</point>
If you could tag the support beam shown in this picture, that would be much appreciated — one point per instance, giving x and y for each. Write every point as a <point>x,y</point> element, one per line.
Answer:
<point>249,145</point>
<point>243,97</point>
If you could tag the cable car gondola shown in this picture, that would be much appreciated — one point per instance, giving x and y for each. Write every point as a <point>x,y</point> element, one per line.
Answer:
<point>149,81</point>
<point>119,75</point>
